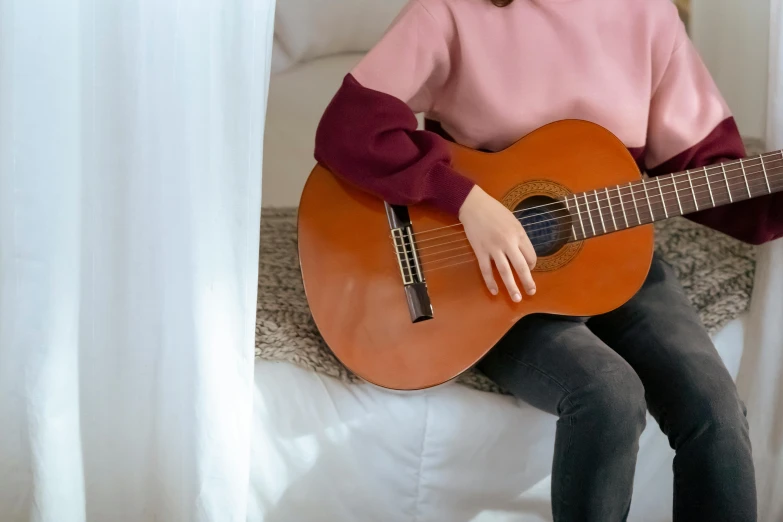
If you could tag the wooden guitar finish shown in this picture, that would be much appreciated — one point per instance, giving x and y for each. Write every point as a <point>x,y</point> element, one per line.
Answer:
<point>352,274</point>
<point>353,281</point>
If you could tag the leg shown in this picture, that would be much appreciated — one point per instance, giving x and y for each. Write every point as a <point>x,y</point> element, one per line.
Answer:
<point>559,366</point>
<point>691,395</point>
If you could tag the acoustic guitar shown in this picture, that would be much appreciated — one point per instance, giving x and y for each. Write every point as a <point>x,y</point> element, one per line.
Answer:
<point>397,294</point>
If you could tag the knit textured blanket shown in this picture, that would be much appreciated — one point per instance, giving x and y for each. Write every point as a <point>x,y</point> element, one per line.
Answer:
<point>715,270</point>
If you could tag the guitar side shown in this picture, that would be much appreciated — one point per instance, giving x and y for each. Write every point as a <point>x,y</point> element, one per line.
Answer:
<point>353,282</point>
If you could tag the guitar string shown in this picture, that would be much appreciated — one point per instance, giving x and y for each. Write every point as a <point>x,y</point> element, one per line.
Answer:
<point>658,205</point>
<point>467,249</point>
<point>705,170</point>
<point>563,226</point>
<point>561,214</point>
<point>642,195</point>
<point>475,259</point>
<point>671,180</point>
<point>598,203</point>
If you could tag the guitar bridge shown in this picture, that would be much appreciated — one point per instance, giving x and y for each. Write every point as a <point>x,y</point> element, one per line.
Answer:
<point>413,281</point>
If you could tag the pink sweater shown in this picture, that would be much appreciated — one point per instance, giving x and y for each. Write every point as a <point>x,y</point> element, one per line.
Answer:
<point>486,76</point>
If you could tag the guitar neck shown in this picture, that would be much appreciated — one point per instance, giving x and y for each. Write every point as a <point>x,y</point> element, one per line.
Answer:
<point>612,209</point>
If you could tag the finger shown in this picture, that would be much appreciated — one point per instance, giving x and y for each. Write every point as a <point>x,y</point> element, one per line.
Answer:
<point>501,262</point>
<point>486,272</point>
<point>527,249</point>
<point>523,270</point>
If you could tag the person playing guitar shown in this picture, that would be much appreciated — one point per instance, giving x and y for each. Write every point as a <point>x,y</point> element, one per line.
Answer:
<point>486,73</point>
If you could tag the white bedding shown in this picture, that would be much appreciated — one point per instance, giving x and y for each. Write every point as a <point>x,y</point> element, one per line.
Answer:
<point>310,29</point>
<point>326,451</point>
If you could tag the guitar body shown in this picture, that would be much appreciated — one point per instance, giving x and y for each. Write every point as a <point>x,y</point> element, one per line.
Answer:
<point>352,276</point>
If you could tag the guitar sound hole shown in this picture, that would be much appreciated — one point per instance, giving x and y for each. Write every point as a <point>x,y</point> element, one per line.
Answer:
<point>547,223</point>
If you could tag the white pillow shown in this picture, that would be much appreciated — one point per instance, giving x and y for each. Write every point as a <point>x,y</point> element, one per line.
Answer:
<point>309,29</point>
<point>280,60</point>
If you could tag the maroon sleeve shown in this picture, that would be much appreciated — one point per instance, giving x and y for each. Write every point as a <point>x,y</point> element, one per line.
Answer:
<point>371,140</point>
<point>754,221</point>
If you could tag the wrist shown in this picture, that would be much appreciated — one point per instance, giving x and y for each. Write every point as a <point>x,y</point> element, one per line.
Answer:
<point>469,203</point>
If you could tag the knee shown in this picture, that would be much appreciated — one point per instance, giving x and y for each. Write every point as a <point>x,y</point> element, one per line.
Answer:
<point>615,405</point>
<point>711,407</point>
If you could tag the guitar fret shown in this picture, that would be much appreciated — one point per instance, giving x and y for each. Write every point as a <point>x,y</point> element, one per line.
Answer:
<point>600,214</point>
<point>647,197</point>
<point>589,213</point>
<point>727,183</point>
<point>677,194</point>
<point>622,205</point>
<point>611,209</point>
<point>693,192</point>
<point>579,213</point>
<point>572,222</point>
<point>691,178</point>
<point>663,202</point>
<point>781,154</point>
<point>410,268</point>
<point>635,206</point>
<point>745,177</point>
<point>764,169</point>
<point>781,157</point>
<point>709,185</point>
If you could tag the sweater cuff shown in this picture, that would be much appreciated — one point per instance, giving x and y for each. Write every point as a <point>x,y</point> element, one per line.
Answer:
<point>452,188</point>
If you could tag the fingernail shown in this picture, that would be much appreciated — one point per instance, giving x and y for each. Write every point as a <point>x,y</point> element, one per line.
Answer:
<point>517,298</point>
<point>493,291</point>
<point>532,291</point>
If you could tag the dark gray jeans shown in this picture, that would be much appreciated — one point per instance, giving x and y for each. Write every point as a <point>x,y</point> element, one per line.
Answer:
<point>600,375</point>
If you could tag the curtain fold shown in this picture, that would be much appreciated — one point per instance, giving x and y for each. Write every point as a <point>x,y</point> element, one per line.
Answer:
<point>760,381</point>
<point>131,140</point>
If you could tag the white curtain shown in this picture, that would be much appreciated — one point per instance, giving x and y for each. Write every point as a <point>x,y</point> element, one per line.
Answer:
<point>130,190</point>
<point>762,366</point>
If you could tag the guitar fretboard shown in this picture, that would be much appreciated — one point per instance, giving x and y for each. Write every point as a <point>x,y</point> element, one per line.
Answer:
<point>611,209</point>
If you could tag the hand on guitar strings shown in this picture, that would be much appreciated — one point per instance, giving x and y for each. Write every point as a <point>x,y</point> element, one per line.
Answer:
<point>497,236</point>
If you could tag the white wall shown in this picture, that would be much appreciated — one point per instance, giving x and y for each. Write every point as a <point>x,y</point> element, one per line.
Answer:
<point>733,38</point>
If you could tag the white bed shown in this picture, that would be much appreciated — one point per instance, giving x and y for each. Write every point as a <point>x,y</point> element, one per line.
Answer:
<point>327,451</point>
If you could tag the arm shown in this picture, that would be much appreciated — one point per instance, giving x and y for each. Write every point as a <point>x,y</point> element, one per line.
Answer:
<point>690,127</point>
<point>370,139</point>
<point>368,134</point>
